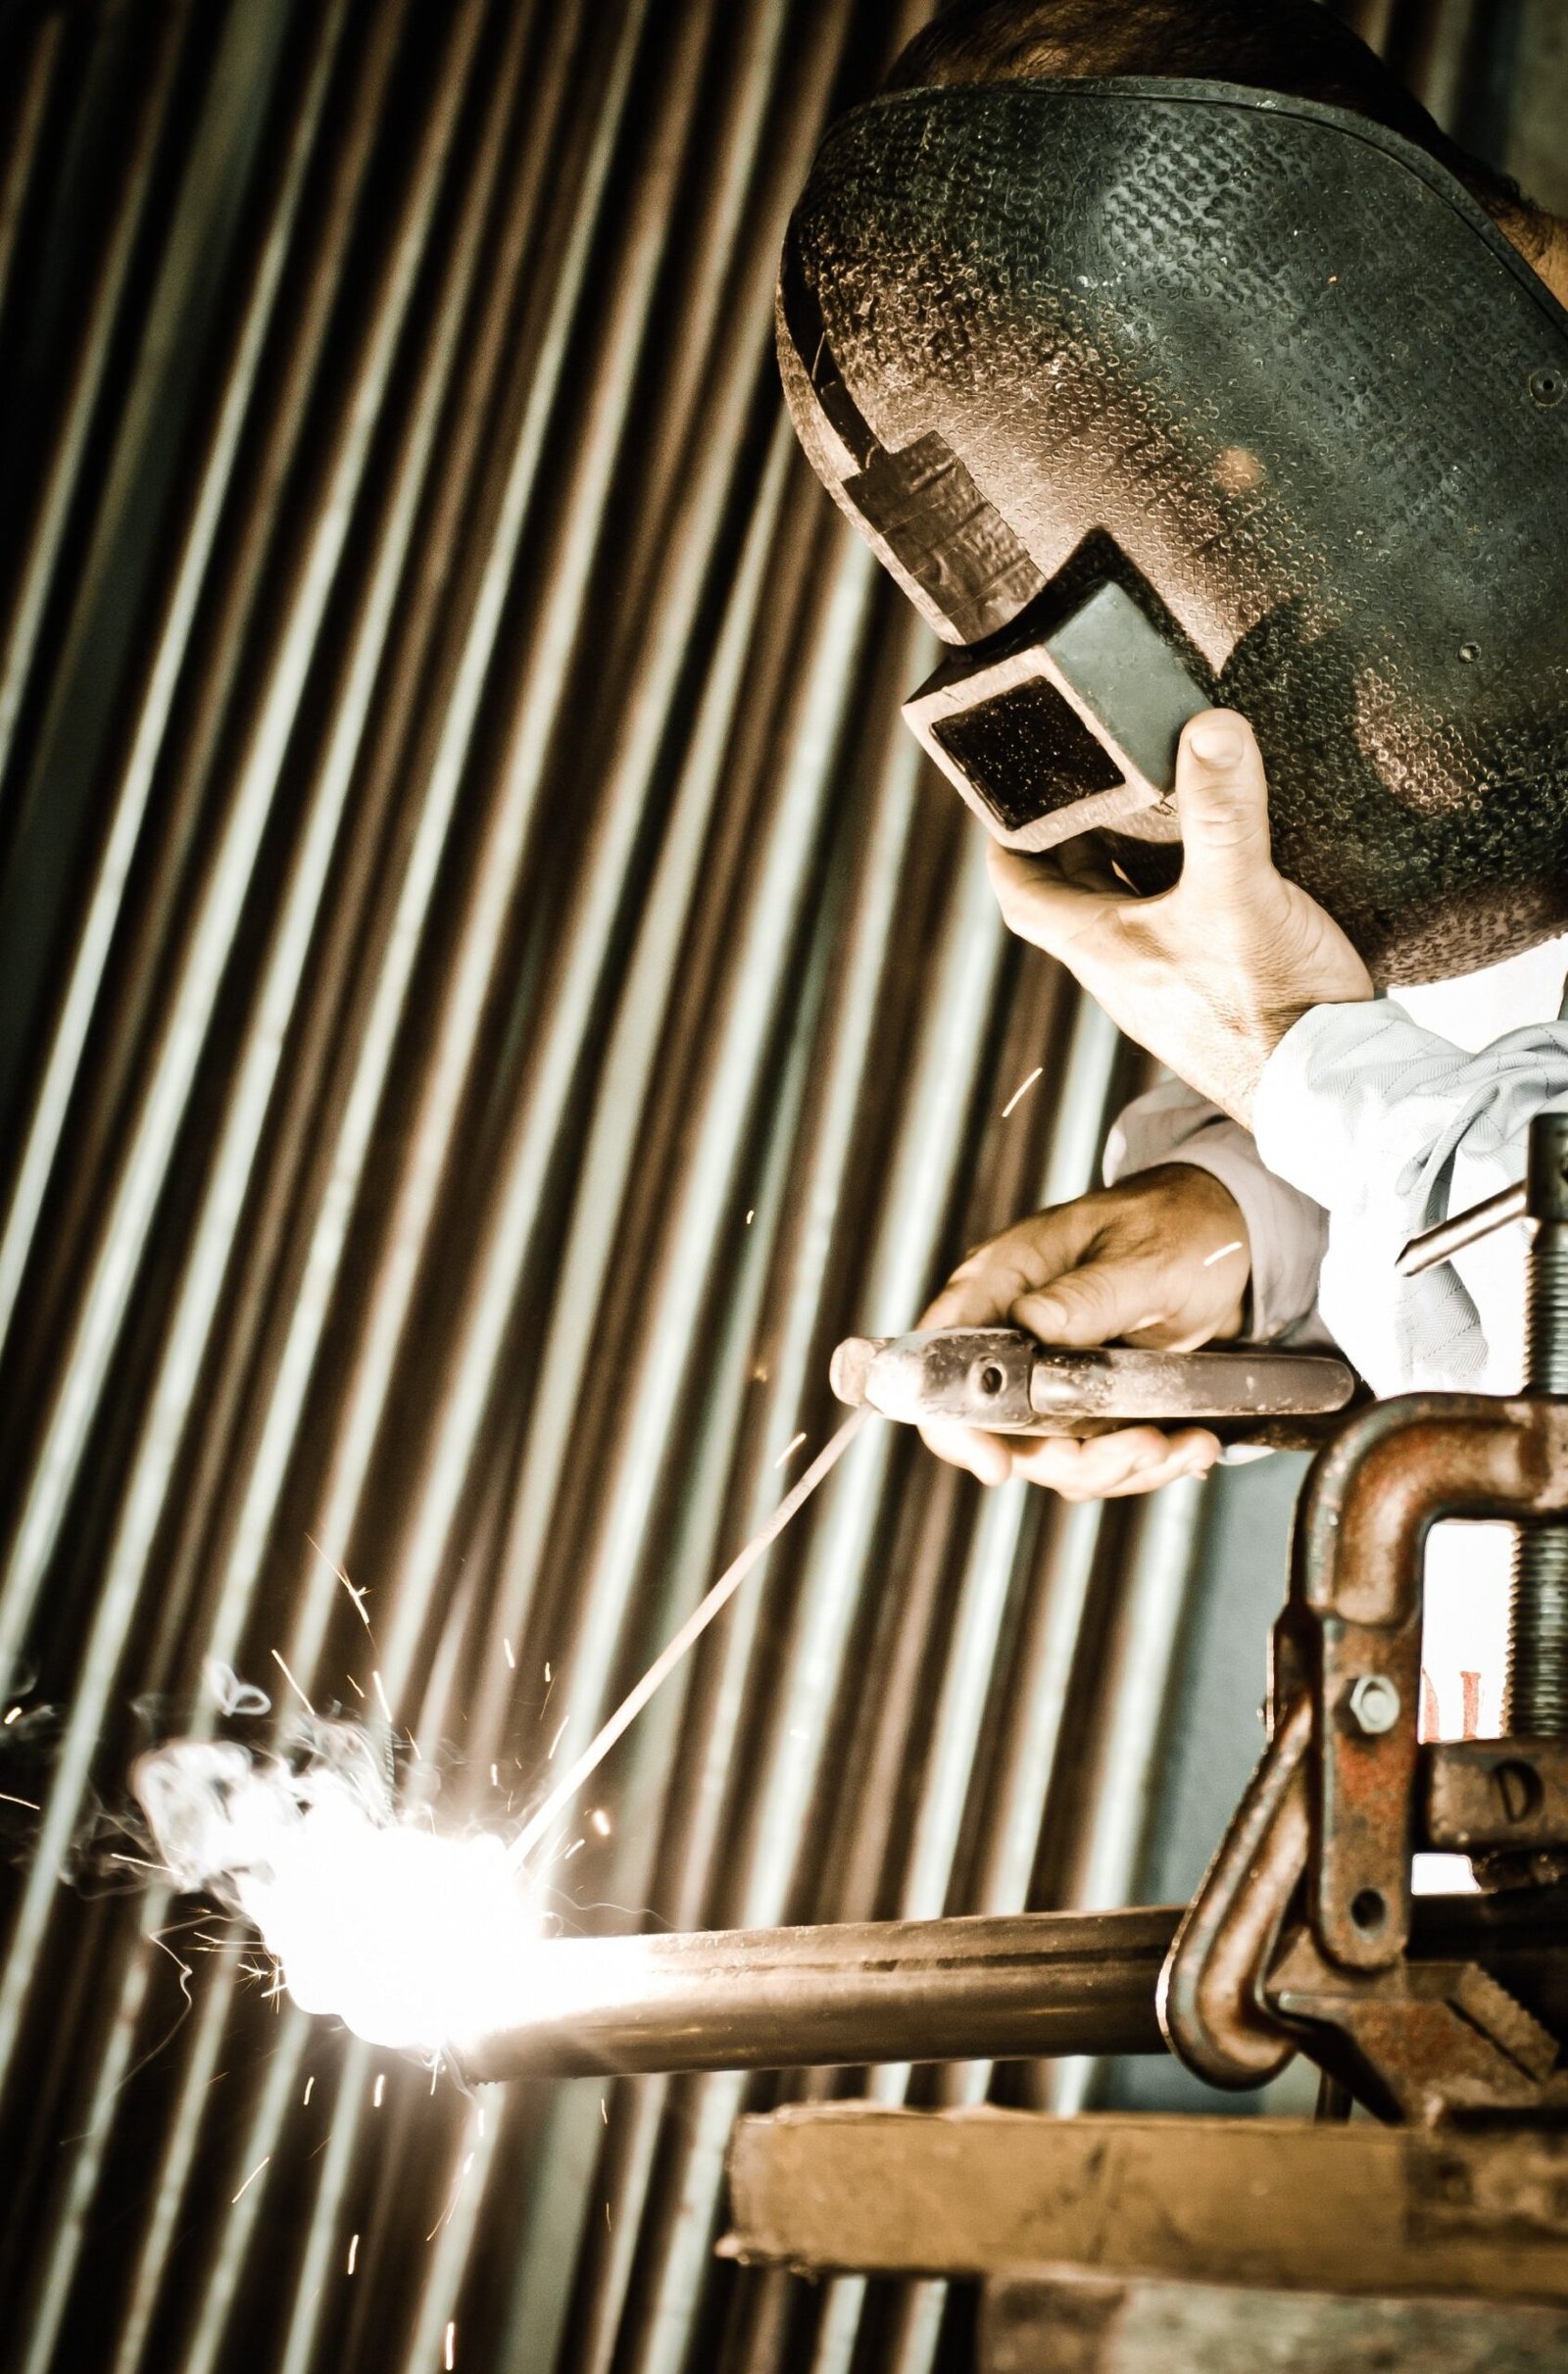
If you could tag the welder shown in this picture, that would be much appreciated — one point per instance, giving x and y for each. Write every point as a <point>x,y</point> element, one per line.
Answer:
<point>1190,298</point>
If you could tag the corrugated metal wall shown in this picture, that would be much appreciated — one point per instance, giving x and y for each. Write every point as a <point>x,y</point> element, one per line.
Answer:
<point>490,999</point>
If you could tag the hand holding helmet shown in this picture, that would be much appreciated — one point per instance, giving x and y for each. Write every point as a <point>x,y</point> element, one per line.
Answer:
<point>1211,974</point>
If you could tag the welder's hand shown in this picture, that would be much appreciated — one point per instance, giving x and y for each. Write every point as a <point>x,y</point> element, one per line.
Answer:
<point>1208,976</point>
<point>1161,1261</point>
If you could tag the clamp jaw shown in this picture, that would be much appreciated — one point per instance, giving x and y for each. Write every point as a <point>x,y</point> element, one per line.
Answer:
<point>1303,1935</point>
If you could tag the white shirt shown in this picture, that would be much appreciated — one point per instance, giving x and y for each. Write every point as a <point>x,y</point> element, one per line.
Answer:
<point>1372,1122</point>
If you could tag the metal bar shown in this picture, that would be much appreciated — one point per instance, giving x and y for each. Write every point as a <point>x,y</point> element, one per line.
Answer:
<point>854,1991</point>
<point>1450,1237</point>
<point>1535,1694</point>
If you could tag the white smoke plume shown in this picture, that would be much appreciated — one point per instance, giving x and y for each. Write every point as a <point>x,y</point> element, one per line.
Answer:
<point>414,1940</point>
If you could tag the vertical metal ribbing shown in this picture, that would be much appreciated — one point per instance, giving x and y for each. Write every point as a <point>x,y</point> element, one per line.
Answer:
<point>1535,1695</point>
<point>551,661</point>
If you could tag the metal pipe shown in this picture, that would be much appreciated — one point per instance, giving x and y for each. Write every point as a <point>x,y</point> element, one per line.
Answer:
<point>857,1992</point>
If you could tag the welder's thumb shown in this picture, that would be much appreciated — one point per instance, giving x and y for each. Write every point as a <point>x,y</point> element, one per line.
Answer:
<point>1096,1304</point>
<point>1223,797</point>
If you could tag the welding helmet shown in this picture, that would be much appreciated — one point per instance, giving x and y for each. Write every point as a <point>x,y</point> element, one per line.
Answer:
<point>1154,394</point>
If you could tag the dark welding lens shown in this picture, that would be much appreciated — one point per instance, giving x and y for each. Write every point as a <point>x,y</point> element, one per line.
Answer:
<point>1026,752</point>
<point>1067,722</point>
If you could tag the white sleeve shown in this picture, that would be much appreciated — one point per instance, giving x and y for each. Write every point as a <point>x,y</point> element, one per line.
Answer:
<point>1393,1128</point>
<point>1286,1230</point>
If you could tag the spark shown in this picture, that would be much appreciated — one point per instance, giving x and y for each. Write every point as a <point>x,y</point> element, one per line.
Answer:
<point>380,2091</point>
<point>309,2089</point>
<point>750,1218</point>
<point>790,1447</point>
<point>289,1678</point>
<point>452,2346</point>
<point>357,1596</point>
<point>555,1742</point>
<point>547,1669</point>
<point>572,1848</point>
<point>7,1797</point>
<point>354,2251</point>
<point>354,1685</point>
<point>609,2228</point>
<point>510,1660</point>
<point>251,2179</point>
<point>602,2112</point>
<point>14,1715</point>
<point>600,1820</point>
<point>381,1692</point>
<point>1210,1259</point>
<point>697,1623</point>
<point>1022,1090</point>
<point>494,1778</point>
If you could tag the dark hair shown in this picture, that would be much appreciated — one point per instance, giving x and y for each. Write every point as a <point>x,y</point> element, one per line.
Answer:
<point>1282,45</point>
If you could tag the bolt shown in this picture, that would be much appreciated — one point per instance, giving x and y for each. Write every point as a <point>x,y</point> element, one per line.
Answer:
<point>1374,1704</point>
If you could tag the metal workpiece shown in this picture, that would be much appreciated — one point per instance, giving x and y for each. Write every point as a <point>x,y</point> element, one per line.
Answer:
<point>1008,1383</point>
<point>993,1988</point>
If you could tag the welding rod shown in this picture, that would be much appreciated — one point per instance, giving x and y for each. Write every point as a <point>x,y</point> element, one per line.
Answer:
<point>1018,1987</point>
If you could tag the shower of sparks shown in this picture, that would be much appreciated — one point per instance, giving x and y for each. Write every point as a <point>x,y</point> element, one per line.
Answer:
<point>251,2179</point>
<point>788,1451</point>
<point>1210,1259</point>
<point>1021,1091</point>
<point>354,2251</point>
<point>355,1594</point>
<point>292,1683</point>
<point>380,2095</point>
<point>631,1705</point>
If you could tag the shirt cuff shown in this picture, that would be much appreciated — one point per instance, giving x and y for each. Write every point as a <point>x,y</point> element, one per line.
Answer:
<point>1320,1109</point>
<point>1286,1232</point>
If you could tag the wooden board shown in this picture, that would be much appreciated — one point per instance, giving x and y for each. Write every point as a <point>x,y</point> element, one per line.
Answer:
<point>1276,2203</point>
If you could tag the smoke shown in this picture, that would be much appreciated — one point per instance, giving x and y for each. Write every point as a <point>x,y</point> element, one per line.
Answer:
<point>415,1938</point>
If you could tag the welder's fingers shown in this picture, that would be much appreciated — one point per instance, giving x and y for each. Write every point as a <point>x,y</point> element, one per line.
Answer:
<point>1114,1466</point>
<point>987,1456</point>
<point>1103,1301</point>
<point>988,1282</point>
<point>1223,797</point>
<point>1041,902</point>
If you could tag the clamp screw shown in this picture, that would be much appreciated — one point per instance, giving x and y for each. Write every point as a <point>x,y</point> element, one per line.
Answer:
<point>1374,1704</point>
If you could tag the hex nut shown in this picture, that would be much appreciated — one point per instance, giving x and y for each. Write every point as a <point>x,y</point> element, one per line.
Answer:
<point>1374,1704</point>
